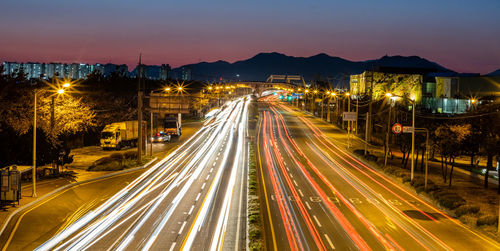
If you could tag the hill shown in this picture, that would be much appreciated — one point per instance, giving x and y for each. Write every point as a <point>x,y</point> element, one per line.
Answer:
<point>316,67</point>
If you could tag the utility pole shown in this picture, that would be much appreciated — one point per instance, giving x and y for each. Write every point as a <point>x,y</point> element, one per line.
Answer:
<point>151,138</point>
<point>33,194</point>
<point>413,139</point>
<point>52,113</point>
<point>139,112</point>
<point>369,118</point>
<point>387,134</point>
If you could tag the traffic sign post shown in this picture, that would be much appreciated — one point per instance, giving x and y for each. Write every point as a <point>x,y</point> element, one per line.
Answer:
<point>407,129</point>
<point>349,116</point>
<point>397,128</point>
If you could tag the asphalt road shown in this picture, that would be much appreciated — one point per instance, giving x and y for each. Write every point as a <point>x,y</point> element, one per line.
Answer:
<point>194,199</point>
<point>320,197</point>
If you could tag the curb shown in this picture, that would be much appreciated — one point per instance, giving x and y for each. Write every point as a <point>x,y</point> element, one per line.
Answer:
<point>69,186</point>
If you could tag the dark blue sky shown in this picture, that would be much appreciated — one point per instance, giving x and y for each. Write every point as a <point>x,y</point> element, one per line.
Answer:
<point>461,35</point>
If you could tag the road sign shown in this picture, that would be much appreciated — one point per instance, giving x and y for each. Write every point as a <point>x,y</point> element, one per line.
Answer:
<point>407,129</point>
<point>349,116</point>
<point>397,128</point>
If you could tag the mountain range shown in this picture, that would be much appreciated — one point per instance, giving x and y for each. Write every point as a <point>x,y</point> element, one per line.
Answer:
<point>317,67</point>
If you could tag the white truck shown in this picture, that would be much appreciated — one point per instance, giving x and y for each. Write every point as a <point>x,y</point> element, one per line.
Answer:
<point>120,134</point>
<point>172,126</point>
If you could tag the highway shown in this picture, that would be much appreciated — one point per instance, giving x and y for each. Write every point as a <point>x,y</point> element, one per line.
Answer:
<point>320,197</point>
<point>194,199</point>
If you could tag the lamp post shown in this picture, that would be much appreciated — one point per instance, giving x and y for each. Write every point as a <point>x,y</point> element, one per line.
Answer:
<point>329,114</point>
<point>33,194</point>
<point>391,98</point>
<point>33,191</point>
<point>413,137</point>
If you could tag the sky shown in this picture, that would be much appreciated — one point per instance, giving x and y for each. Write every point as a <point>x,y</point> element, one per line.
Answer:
<point>461,35</point>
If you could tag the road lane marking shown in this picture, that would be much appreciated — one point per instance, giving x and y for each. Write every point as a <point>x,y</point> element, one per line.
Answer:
<point>217,158</point>
<point>203,186</point>
<point>191,210</point>
<point>211,169</point>
<point>273,235</point>
<point>198,196</point>
<point>301,194</point>
<point>329,241</point>
<point>172,247</point>
<point>295,182</point>
<point>308,206</point>
<point>182,227</point>
<point>208,176</point>
<point>214,163</point>
<point>291,175</point>
<point>317,221</point>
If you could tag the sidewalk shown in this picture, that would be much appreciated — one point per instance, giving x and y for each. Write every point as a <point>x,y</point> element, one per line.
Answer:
<point>84,157</point>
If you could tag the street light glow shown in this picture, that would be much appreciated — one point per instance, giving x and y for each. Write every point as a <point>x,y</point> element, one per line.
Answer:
<point>388,94</point>
<point>167,89</point>
<point>66,85</point>
<point>333,94</point>
<point>60,91</point>
<point>347,94</point>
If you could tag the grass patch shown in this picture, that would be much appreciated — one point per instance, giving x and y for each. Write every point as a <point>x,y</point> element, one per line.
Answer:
<point>466,209</point>
<point>117,162</point>
<point>255,227</point>
<point>487,220</point>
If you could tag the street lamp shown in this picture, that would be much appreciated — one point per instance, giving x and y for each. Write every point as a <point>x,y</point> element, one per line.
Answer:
<point>33,194</point>
<point>412,98</point>
<point>391,98</point>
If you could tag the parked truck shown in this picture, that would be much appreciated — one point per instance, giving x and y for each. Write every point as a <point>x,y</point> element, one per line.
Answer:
<point>120,134</point>
<point>172,126</point>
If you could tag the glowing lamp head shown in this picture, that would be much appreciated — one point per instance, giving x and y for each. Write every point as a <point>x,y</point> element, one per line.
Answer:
<point>315,91</point>
<point>388,94</point>
<point>412,97</point>
<point>179,88</point>
<point>307,91</point>
<point>210,87</point>
<point>60,91</point>
<point>347,94</point>
<point>328,93</point>
<point>167,89</point>
<point>66,85</point>
<point>333,94</point>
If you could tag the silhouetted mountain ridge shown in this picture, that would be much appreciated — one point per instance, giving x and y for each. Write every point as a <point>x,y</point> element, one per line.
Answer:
<point>260,66</point>
<point>495,73</point>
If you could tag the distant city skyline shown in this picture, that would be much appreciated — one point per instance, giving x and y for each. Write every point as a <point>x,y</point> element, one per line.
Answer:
<point>460,35</point>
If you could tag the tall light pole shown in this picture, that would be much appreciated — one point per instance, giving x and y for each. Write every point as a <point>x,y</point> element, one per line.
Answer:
<point>139,112</point>
<point>412,137</point>
<point>33,191</point>
<point>388,95</point>
<point>33,194</point>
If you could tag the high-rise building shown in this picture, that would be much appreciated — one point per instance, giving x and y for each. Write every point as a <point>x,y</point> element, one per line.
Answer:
<point>165,71</point>
<point>186,73</point>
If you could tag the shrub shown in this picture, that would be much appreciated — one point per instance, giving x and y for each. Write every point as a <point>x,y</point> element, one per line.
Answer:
<point>253,218</point>
<point>254,234</point>
<point>450,200</point>
<point>466,209</point>
<point>418,182</point>
<point>488,220</point>
<point>117,156</point>
<point>130,155</point>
